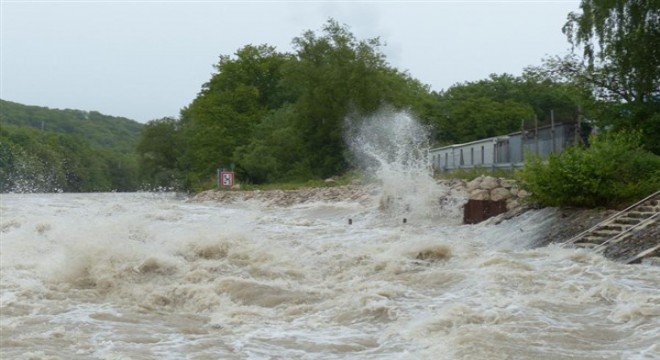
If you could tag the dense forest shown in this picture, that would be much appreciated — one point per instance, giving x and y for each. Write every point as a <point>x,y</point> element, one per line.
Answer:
<point>47,150</point>
<point>280,116</point>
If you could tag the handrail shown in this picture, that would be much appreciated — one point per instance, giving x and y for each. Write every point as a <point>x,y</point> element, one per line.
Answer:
<point>643,254</point>
<point>576,237</point>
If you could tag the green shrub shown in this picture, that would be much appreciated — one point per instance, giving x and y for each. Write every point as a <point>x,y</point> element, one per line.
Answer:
<point>614,171</point>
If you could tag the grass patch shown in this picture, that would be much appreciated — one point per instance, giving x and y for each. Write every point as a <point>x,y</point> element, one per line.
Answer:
<point>473,173</point>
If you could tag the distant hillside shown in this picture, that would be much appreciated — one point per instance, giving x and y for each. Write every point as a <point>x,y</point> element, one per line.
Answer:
<point>106,132</point>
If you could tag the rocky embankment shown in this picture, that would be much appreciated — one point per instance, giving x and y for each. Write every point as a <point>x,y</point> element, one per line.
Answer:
<point>359,193</point>
<point>563,224</point>
<point>481,188</point>
<point>495,189</point>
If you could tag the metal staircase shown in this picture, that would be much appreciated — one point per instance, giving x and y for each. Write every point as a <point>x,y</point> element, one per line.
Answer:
<point>621,227</point>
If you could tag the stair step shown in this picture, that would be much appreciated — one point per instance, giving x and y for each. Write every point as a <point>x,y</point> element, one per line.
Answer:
<point>591,239</point>
<point>620,228</point>
<point>605,233</point>
<point>640,215</point>
<point>615,227</point>
<point>627,221</point>
<point>585,245</point>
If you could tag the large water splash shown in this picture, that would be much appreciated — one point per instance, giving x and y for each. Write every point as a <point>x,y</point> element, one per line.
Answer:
<point>393,147</point>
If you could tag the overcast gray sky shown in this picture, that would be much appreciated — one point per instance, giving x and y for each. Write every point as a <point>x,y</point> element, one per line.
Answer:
<point>145,60</point>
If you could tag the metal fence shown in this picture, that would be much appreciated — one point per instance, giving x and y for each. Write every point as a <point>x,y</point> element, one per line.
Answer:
<point>506,151</point>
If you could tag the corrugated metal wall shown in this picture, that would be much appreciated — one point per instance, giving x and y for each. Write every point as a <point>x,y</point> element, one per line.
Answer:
<point>504,151</point>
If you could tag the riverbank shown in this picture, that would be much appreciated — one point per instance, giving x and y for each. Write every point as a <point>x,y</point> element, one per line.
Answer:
<point>563,223</point>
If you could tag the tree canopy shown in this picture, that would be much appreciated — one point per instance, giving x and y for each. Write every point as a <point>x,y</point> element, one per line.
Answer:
<point>277,116</point>
<point>499,105</point>
<point>621,44</point>
<point>620,64</point>
<point>44,150</point>
<point>281,116</point>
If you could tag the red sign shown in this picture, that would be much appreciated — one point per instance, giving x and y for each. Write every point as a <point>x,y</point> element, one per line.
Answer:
<point>227,178</point>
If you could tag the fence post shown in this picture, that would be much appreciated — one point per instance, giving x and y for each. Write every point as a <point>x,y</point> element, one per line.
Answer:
<point>522,140</point>
<point>552,129</point>
<point>536,134</point>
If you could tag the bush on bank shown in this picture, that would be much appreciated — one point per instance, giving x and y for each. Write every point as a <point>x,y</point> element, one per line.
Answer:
<point>614,171</point>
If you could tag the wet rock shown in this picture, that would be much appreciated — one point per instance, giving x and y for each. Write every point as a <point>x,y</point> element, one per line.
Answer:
<point>488,183</point>
<point>500,193</point>
<point>480,194</point>
<point>523,194</point>
<point>474,184</point>
<point>512,204</point>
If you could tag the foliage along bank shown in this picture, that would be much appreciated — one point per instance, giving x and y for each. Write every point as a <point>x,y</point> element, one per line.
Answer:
<point>49,150</point>
<point>281,116</point>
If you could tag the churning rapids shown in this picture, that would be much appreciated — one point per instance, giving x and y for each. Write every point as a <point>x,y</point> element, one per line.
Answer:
<point>153,276</point>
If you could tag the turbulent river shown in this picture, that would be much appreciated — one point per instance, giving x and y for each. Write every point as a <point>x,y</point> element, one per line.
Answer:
<point>154,276</point>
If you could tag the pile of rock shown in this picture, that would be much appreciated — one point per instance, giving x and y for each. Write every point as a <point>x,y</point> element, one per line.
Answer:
<point>290,197</point>
<point>496,189</point>
<point>481,188</point>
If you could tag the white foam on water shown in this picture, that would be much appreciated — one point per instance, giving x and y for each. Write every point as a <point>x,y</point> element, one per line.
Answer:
<point>144,276</point>
<point>132,276</point>
<point>394,147</point>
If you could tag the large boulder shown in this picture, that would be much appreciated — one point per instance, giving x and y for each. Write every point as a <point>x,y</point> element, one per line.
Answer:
<point>489,183</point>
<point>474,184</point>
<point>479,194</point>
<point>500,193</point>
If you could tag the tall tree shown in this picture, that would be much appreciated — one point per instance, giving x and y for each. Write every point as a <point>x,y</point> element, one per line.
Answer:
<point>331,74</point>
<point>230,105</point>
<point>620,61</point>
<point>620,38</point>
<point>158,151</point>
<point>336,74</point>
<point>499,104</point>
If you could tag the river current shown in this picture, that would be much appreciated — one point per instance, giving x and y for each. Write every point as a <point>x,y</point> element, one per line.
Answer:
<point>154,276</point>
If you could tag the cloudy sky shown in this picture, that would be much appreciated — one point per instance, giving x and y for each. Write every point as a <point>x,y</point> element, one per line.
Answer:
<point>145,60</point>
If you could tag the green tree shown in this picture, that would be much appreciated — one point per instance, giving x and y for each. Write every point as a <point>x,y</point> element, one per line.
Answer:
<point>620,62</point>
<point>281,116</point>
<point>41,161</point>
<point>158,152</point>
<point>334,75</point>
<point>230,105</point>
<point>276,151</point>
<point>499,105</point>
